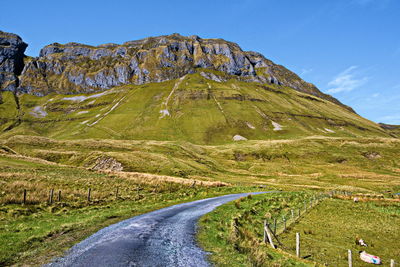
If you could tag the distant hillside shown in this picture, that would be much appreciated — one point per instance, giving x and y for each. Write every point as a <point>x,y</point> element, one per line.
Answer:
<point>393,129</point>
<point>192,108</point>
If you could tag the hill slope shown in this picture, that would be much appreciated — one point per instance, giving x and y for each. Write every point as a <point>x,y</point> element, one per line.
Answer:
<point>191,108</point>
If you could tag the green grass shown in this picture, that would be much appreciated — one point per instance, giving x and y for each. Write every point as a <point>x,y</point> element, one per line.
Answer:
<point>233,232</point>
<point>202,112</point>
<point>330,229</point>
<point>303,163</point>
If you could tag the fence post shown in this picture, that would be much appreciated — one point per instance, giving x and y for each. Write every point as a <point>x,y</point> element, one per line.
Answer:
<point>59,195</point>
<point>292,214</point>
<point>298,245</point>
<point>350,258</point>
<point>24,199</point>
<point>265,233</point>
<point>299,214</point>
<point>88,194</point>
<point>116,193</point>
<point>51,196</point>
<point>392,263</point>
<point>268,231</point>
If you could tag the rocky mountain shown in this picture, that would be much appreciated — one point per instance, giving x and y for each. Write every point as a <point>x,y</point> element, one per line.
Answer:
<point>77,68</point>
<point>12,50</point>
<point>206,91</point>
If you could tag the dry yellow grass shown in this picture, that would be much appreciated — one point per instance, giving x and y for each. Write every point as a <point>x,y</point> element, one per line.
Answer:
<point>157,179</point>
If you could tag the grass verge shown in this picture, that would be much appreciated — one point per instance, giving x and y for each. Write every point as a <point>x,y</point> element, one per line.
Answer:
<point>233,232</point>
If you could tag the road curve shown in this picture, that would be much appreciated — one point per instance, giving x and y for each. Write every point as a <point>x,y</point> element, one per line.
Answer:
<point>164,237</point>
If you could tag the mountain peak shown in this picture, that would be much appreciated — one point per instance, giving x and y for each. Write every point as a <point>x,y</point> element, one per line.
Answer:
<point>78,68</point>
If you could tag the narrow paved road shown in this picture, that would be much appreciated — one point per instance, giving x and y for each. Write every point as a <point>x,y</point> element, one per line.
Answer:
<point>164,237</point>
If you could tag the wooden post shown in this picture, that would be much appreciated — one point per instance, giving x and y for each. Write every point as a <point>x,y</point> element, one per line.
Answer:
<point>299,214</point>
<point>292,214</point>
<point>298,245</point>
<point>88,194</point>
<point>267,230</point>
<point>274,226</point>
<point>284,224</point>
<point>350,258</point>
<point>51,196</point>
<point>24,199</point>
<point>116,193</point>
<point>59,195</point>
<point>392,263</point>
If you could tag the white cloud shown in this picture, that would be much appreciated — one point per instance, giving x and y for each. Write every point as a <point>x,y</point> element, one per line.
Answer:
<point>376,95</point>
<point>346,81</point>
<point>305,71</point>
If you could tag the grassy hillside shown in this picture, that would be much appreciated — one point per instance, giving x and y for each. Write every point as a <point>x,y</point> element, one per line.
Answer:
<point>193,109</point>
<point>356,164</point>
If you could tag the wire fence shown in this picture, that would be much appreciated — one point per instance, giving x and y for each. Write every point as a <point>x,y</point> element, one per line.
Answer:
<point>276,226</point>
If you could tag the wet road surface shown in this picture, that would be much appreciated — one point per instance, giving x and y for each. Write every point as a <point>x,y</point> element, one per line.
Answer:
<point>164,237</point>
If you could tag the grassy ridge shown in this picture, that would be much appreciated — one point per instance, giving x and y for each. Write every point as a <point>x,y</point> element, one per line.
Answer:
<point>200,111</point>
<point>353,164</point>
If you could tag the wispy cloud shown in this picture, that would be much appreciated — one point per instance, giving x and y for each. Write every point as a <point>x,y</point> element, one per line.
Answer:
<point>376,95</point>
<point>305,71</point>
<point>346,81</point>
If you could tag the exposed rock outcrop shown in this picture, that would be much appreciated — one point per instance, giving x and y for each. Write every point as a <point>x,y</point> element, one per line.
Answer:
<point>106,163</point>
<point>77,68</point>
<point>12,50</point>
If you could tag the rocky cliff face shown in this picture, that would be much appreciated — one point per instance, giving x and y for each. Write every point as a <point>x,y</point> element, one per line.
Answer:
<point>12,50</point>
<point>77,68</point>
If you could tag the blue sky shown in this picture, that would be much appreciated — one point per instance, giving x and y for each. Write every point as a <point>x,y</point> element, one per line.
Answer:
<point>347,48</point>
